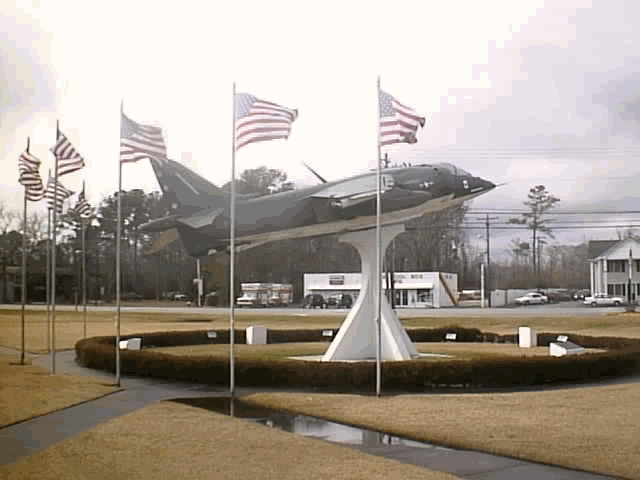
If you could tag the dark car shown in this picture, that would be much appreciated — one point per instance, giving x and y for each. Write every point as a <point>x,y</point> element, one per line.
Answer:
<point>131,296</point>
<point>340,301</point>
<point>314,300</point>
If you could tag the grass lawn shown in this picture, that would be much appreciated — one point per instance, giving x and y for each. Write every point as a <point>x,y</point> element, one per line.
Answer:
<point>594,429</point>
<point>170,440</point>
<point>457,351</point>
<point>27,390</point>
<point>69,325</point>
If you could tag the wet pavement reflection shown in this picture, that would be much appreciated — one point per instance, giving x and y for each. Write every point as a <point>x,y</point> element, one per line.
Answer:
<point>463,463</point>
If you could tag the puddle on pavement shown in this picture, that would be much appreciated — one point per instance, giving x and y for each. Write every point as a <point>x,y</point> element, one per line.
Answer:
<point>304,425</point>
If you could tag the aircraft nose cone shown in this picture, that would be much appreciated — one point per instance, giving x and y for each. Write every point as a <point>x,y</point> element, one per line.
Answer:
<point>485,184</point>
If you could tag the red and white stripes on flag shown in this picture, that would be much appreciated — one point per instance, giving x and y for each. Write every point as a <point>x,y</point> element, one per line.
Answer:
<point>30,177</point>
<point>257,120</point>
<point>398,123</point>
<point>82,207</point>
<point>139,141</point>
<point>67,157</point>
<point>61,193</point>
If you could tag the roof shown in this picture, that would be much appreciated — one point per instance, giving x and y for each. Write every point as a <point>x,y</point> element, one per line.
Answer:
<point>598,247</point>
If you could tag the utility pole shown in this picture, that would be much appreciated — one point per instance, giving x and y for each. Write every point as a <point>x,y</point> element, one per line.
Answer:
<point>487,282</point>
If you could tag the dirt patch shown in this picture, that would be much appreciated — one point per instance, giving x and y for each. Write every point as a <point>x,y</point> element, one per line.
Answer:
<point>594,428</point>
<point>192,443</point>
<point>27,391</point>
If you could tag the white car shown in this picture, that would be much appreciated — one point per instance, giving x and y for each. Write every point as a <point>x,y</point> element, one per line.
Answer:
<point>532,298</point>
<point>603,299</point>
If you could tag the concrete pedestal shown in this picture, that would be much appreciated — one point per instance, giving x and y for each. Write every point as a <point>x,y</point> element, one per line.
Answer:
<point>256,335</point>
<point>356,339</point>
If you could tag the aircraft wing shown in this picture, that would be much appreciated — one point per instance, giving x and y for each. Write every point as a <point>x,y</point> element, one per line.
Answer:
<point>199,221</point>
<point>354,191</point>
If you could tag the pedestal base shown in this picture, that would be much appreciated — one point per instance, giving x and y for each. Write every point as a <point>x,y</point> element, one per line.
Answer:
<point>356,339</point>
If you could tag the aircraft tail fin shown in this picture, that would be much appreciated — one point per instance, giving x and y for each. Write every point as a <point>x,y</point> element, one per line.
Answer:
<point>184,189</point>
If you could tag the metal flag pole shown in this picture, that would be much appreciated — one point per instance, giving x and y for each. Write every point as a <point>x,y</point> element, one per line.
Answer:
<point>117,319</point>
<point>84,278</point>
<point>48,270</point>
<point>378,261</point>
<point>53,259</point>
<point>232,255</point>
<point>24,269</point>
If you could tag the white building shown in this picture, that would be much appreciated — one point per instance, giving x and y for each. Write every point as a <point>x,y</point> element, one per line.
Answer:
<point>609,266</point>
<point>412,289</point>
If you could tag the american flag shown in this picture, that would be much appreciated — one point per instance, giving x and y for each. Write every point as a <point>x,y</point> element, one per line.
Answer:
<point>27,163</point>
<point>398,123</point>
<point>61,193</point>
<point>139,141</point>
<point>30,177</point>
<point>82,207</point>
<point>258,120</point>
<point>67,157</point>
<point>34,189</point>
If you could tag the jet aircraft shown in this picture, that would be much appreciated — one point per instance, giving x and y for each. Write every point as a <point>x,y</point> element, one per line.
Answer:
<point>201,213</point>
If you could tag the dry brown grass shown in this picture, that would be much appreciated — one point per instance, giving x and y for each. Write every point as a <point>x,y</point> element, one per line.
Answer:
<point>593,429</point>
<point>466,351</point>
<point>170,440</point>
<point>27,391</point>
<point>69,325</point>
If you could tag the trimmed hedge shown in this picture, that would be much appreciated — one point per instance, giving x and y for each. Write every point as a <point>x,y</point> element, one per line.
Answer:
<point>622,358</point>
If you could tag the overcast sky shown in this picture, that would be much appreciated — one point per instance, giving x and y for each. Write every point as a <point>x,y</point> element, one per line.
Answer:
<point>521,93</point>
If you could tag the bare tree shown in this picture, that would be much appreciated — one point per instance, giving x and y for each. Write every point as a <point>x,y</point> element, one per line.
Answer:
<point>539,202</point>
<point>7,243</point>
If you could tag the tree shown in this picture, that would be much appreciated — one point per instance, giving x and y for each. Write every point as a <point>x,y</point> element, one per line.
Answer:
<point>260,181</point>
<point>7,243</point>
<point>539,202</point>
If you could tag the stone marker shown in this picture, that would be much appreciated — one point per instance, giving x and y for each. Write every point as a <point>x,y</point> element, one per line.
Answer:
<point>256,335</point>
<point>561,349</point>
<point>527,337</point>
<point>131,344</point>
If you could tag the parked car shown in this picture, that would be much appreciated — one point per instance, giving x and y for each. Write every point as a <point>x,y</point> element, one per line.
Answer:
<point>181,297</point>
<point>131,296</point>
<point>603,299</point>
<point>342,300</point>
<point>314,300</point>
<point>556,296</point>
<point>532,298</point>
<point>581,294</point>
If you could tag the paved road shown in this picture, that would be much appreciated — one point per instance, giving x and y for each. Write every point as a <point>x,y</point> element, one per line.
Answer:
<point>567,308</point>
<point>27,438</point>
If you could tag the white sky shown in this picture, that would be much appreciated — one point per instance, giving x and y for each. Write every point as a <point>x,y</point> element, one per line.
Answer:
<point>468,64</point>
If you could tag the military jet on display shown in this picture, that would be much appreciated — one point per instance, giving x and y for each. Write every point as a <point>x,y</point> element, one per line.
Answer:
<point>201,213</point>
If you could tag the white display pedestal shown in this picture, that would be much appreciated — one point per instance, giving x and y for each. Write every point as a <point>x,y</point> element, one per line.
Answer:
<point>356,339</point>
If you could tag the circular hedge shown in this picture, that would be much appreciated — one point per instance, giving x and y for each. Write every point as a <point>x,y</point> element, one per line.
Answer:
<point>622,357</point>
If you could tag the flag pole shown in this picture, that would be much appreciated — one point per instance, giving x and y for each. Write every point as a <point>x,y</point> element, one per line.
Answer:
<point>53,259</point>
<point>24,269</point>
<point>117,346</point>
<point>232,255</point>
<point>84,277</point>
<point>378,261</point>
<point>48,270</point>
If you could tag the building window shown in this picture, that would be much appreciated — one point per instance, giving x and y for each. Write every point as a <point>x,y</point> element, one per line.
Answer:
<point>617,289</point>
<point>637,265</point>
<point>616,266</point>
<point>425,296</point>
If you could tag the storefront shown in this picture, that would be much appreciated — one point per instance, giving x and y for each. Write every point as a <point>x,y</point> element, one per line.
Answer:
<point>412,289</point>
